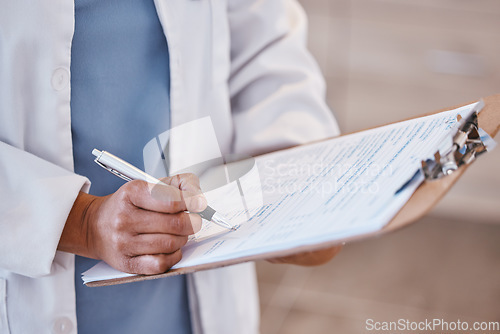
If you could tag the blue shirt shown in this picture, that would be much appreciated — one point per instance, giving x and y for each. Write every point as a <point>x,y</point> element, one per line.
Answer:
<point>119,101</point>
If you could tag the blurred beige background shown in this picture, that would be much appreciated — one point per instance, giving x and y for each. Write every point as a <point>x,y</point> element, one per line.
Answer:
<point>387,60</point>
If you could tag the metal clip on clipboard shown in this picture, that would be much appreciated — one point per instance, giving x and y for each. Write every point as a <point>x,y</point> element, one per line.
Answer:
<point>467,145</point>
<point>469,142</point>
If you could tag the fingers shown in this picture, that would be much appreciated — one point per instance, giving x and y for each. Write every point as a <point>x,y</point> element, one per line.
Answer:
<point>189,185</point>
<point>151,244</point>
<point>161,198</point>
<point>312,258</point>
<point>142,227</point>
<point>151,264</point>
<point>186,182</point>
<point>182,224</point>
<point>149,253</point>
<point>166,198</point>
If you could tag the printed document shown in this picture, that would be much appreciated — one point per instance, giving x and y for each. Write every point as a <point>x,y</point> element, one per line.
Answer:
<point>326,191</point>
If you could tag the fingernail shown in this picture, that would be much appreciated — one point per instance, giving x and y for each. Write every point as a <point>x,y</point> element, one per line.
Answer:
<point>200,203</point>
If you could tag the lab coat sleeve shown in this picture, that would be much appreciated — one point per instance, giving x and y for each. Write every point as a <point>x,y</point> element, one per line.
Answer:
<point>277,90</point>
<point>36,198</point>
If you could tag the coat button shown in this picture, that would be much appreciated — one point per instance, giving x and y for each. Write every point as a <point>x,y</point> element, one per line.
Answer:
<point>62,325</point>
<point>60,79</point>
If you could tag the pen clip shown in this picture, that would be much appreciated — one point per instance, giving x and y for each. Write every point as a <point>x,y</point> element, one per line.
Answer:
<point>111,170</point>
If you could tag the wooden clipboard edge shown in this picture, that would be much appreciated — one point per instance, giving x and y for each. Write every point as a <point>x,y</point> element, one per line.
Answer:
<point>416,207</point>
<point>225,263</point>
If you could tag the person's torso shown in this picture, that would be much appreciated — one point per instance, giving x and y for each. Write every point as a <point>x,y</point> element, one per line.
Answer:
<point>120,101</point>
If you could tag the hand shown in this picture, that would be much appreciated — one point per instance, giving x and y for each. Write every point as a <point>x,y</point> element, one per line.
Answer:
<point>140,228</point>
<point>314,258</point>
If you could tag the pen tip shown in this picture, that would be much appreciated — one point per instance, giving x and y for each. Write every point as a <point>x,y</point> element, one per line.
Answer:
<point>221,221</point>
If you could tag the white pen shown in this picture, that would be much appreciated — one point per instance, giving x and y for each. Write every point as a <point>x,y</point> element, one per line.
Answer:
<point>129,172</point>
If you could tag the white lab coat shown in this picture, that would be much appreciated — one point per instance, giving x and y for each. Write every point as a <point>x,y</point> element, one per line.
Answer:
<point>242,62</point>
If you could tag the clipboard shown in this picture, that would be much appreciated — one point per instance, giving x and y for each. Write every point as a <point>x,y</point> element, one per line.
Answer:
<point>421,202</point>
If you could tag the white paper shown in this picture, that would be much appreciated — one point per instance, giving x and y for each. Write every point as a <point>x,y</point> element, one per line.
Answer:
<point>314,193</point>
